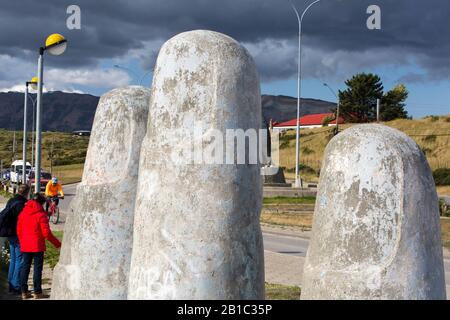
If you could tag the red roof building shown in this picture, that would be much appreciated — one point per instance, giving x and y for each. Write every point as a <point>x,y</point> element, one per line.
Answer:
<point>308,121</point>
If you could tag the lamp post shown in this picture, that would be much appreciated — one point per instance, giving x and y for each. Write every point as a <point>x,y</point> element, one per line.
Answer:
<point>133,72</point>
<point>33,127</point>
<point>14,146</point>
<point>338,105</point>
<point>55,44</point>
<point>33,82</point>
<point>298,181</point>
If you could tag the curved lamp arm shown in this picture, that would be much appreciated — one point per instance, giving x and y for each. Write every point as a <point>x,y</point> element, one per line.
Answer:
<point>300,18</point>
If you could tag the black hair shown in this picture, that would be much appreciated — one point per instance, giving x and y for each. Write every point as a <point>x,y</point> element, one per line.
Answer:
<point>39,197</point>
<point>23,190</point>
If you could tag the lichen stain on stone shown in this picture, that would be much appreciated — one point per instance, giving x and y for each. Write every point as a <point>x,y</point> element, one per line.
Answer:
<point>103,208</point>
<point>204,230</point>
<point>371,238</point>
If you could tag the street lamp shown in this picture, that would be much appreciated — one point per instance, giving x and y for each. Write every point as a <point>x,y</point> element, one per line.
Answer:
<point>133,72</point>
<point>33,128</point>
<point>55,44</point>
<point>298,181</point>
<point>33,84</point>
<point>338,105</point>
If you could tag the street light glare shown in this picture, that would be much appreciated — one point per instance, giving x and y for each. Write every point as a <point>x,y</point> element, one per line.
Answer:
<point>56,44</point>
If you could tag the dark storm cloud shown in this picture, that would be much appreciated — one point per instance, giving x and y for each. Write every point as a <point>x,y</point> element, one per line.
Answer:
<point>417,29</point>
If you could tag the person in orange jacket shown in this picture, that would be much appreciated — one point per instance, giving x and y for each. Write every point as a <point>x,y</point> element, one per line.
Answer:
<point>53,189</point>
<point>32,230</point>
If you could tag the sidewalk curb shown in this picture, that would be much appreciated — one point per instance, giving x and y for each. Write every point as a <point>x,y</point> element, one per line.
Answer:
<point>279,230</point>
<point>267,228</point>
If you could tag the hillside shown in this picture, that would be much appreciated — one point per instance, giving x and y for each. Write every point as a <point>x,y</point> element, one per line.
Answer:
<point>61,112</point>
<point>432,134</point>
<point>67,149</point>
<point>67,112</point>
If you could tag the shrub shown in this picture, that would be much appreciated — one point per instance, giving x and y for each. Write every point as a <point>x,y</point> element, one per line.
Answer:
<point>303,168</point>
<point>326,121</point>
<point>442,177</point>
<point>307,150</point>
<point>444,209</point>
<point>4,257</point>
<point>432,118</point>
<point>425,151</point>
<point>430,138</point>
<point>284,144</point>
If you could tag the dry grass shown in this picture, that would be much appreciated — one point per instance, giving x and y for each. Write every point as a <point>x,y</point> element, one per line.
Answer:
<point>69,174</point>
<point>281,292</point>
<point>312,146</point>
<point>443,190</point>
<point>432,134</point>
<point>67,149</point>
<point>301,220</point>
<point>288,200</point>
<point>445,232</point>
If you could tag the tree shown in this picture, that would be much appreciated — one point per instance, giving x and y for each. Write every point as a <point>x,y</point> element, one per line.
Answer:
<point>392,104</point>
<point>358,103</point>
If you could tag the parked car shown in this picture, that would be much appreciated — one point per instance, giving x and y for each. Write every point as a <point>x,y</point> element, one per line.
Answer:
<point>5,175</point>
<point>45,178</point>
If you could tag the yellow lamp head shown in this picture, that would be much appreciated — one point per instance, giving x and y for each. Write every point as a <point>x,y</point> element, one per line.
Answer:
<point>33,83</point>
<point>55,44</point>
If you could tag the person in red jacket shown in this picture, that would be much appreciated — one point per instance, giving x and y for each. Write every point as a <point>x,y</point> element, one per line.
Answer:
<point>32,230</point>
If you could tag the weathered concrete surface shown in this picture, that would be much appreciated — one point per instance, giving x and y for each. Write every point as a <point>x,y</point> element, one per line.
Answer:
<point>96,251</point>
<point>283,268</point>
<point>376,229</point>
<point>197,232</point>
<point>273,179</point>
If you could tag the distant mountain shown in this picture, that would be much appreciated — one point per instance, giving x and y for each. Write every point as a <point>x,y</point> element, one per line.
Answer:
<point>283,108</point>
<point>72,111</point>
<point>61,111</point>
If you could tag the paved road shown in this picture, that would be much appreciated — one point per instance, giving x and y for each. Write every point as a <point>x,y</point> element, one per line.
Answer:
<point>69,193</point>
<point>272,242</point>
<point>296,246</point>
<point>275,242</point>
<point>293,246</point>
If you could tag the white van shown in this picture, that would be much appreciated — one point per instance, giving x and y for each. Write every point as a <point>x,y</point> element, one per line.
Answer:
<point>16,171</point>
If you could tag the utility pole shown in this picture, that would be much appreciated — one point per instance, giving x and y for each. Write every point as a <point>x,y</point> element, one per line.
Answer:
<point>14,147</point>
<point>52,149</point>
<point>338,104</point>
<point>378,110</point>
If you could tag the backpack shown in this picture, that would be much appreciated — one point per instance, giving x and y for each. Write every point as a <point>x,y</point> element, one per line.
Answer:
<point>8,219</point>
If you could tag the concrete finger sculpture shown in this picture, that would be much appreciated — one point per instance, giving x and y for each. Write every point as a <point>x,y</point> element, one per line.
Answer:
<point>96,251</point>
<point>376,229</point>
<point>197,232</point>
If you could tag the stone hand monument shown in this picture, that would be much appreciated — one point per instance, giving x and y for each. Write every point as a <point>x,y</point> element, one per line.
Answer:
<point>376,229</point>
<point>96,252</point>
<point>197,232</point>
